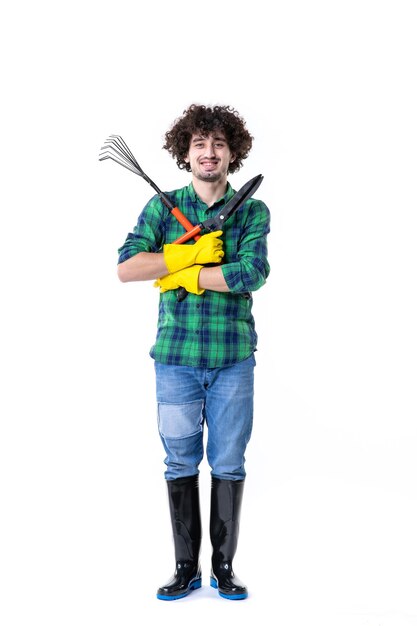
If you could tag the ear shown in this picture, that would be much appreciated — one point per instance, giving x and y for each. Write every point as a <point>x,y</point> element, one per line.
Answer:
<point>232,158</point>
<point>186,159</point>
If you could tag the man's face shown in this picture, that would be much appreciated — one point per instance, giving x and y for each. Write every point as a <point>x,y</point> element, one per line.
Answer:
<point>209,157</point>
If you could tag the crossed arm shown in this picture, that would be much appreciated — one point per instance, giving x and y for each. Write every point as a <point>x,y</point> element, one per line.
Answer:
<point>151,265</point>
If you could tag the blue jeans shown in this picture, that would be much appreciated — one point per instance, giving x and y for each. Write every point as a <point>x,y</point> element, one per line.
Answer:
<point>221,398</point>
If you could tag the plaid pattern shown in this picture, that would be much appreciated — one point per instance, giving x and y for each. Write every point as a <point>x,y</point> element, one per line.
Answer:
<point>214,329</point>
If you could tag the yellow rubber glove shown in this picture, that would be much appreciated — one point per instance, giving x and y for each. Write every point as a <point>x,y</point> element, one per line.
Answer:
<point>187,277</point>
<point>208,249</point>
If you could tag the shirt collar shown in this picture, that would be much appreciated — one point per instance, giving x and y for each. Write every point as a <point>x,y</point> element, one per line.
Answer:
<point>228,194</point>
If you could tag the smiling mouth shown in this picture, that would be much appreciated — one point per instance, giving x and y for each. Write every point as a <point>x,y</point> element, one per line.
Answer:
<point>209,165</point>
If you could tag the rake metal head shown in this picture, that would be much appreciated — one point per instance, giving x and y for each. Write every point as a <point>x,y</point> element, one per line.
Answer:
<point>116,149</point>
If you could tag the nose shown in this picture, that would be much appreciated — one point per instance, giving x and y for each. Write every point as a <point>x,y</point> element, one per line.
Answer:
<point>210,150</point>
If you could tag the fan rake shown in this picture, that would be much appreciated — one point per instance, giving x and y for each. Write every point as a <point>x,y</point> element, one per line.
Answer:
<point>116,149</point>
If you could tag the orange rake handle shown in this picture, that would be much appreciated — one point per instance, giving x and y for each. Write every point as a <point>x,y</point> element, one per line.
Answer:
<point>192,231</point>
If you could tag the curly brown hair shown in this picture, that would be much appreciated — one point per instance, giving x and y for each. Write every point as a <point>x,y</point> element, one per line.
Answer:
<point>201,119</point>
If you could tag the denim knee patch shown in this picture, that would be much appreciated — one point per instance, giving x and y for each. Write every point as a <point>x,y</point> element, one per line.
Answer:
<point>177,421</point>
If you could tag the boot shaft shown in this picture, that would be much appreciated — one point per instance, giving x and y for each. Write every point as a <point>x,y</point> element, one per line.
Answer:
<point>226,504</point>
<point>184,506</point>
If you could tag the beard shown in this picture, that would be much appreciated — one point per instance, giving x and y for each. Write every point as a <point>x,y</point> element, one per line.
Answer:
<point>209,177</point>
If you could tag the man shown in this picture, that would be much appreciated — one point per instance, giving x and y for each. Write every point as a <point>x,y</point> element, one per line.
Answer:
<point>204,346</point>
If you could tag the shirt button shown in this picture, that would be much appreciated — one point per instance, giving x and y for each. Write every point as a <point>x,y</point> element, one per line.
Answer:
<point>198,306</point>
<point>197,332</point>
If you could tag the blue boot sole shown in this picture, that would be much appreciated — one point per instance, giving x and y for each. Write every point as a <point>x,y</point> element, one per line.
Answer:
<point>196,584</point>
<point>238,596</point>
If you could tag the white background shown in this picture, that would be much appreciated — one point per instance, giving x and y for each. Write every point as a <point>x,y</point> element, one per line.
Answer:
<point>329,519</point>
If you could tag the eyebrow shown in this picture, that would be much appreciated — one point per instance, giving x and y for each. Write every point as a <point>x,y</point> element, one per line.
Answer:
<point>202,137</point>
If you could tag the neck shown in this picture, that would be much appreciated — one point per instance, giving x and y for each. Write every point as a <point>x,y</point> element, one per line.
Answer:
<point>209,192</point>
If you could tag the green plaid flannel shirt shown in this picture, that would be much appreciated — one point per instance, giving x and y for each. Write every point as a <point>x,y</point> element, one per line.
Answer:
<point>214,329</point>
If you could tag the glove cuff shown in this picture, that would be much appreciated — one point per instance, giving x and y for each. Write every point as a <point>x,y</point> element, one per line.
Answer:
<point>176,257</point>
<point>192,280</point>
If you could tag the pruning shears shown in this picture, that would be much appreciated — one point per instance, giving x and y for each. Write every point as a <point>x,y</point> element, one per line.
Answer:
<point>216,223</point>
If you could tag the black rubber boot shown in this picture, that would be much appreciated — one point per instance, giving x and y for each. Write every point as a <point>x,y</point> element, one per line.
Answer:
<point>226,502</point>
<point>184,506</point>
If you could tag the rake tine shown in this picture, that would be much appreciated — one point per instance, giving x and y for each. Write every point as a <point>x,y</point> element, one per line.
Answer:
<point>128,151</point>
<point>116,140</point>
<point>123,152</point>
<point>117,143</point>
<point>118,158</point>
<point>113,144</point>
<point>106,155</point>
<point>116,148</point>
<point>136,164</point>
